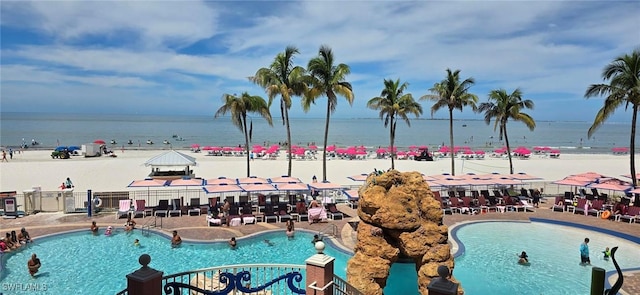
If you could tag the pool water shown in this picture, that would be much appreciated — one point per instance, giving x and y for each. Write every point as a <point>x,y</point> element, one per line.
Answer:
<point>489,263</point>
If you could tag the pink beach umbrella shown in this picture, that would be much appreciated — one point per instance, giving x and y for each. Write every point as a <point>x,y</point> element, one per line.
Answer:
<point>325,186</point>
<point>257,187</point>
<point>195,146</point>
<point>479,152</point>
<point>252,180</point>
<point>359,177</point>
<point>313,147</point>
<point>226,149</point>
<point>293,186</point>
<point>221,180</point>
<point>381,151</point>
<point>207,148</point>
<point>412,147</point>
<point>331,148</point>
<point>444,149</point>
<point>284,179</point>
<point>222,188</point>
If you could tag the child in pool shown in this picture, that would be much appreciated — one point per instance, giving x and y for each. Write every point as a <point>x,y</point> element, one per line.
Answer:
<point>524,259</point>
<point>606,253</point>
<point>136,243</point>
<point>108,231</point>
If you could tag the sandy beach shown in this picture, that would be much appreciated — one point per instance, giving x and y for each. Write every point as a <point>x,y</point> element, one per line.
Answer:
<point>36,168</point>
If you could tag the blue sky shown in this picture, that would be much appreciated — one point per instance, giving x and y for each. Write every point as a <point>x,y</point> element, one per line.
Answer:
<point>180,57</point>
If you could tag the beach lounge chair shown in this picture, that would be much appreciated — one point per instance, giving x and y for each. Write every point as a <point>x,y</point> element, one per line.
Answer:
<point>214,220</point>
<point>469,207</point>
<point>176,208</point>
<point>243,200</point>
<point>194,207</point>
<point>579,207</point>
<point>301,210</point>
<point>275,200</point>
<point>526,207</point>
<point>455,205</point>
<point>316,212</point>
<point>247,215</point>
<point>633,215</point>
<point>597,206</point>
<point>162,210</point>
<point>282,213</point>
<point>123,208</point>
<point>485,206</point>
<point>140,209</point>
<point>558,204</point>
<point>269,214</point>
<point>334,213</point>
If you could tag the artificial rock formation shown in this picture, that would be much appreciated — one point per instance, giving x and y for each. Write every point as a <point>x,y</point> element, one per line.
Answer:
<point>399,217</point>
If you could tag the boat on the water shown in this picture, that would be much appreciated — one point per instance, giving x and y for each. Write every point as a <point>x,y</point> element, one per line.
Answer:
<point>149,141</point>
<point>166,142</point>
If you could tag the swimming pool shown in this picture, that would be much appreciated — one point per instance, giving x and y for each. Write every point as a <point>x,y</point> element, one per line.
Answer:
<point>81,263</point>
<point>489,262</point>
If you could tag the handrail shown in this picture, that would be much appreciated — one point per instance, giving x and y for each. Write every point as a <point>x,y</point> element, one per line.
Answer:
<point>332,227</point>
<point>233,266</point>
<point>150,223</point>
<point>341,286</point>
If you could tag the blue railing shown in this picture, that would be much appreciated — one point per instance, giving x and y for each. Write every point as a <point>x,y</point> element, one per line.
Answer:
<point>255,279</point>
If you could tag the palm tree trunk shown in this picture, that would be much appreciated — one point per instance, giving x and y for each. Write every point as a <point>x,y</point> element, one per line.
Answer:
<point>246,143</point>
<point>391,139</point>
<point>286,123</point>
<point>326,137</point>
<point>632,152</point>
<point>506,141</point>
<point>453,164</point>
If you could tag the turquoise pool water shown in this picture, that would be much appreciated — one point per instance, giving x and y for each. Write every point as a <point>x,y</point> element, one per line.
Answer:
<point>489,263</point>
<point>81,263</point>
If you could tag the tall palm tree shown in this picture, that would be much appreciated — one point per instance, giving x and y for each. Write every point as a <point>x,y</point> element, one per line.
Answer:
<point>239,107</point>
<point>393,103</point>
<point>327,79</point>
<point>453,94</point>
<point>286,80</point>
<point>502,107</point>
<point>623,75</point>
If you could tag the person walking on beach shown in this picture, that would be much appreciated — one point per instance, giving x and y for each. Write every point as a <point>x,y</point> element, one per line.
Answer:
<point>4,156</point>
<point>584,252</point>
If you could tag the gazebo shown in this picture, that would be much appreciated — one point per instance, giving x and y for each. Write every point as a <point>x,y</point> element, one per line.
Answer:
<point>169,160</point>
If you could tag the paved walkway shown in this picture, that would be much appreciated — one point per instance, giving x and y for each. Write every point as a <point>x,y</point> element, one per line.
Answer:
<point>195,228</point>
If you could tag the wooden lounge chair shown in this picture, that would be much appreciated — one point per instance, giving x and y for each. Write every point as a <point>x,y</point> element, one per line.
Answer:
<point>140,209</point>
<point>597,207</point>
<point>483,204</point>
<point>579,207</point>
<point>455,205</point>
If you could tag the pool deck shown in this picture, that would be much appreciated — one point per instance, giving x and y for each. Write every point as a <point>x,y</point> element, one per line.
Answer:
<point>195,227</point>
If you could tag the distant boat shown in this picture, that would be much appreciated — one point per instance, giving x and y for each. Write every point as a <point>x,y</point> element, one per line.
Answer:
<point>149,141</point>
<point>179,138</point>
<point>129,142</point>
<point>174,136</point>
<point>166,142</point>
<point>464,125</point>
<point>113,141</point>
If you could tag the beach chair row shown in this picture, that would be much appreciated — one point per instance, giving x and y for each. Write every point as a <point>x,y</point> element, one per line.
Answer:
<point>482,202</point>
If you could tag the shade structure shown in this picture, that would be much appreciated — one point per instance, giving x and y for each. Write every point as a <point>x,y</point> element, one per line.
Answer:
<point>292,186</point>
<point>591,175</point>
<point>613,185</point>
<point>359,177</point>
<point>445,176</point>
<point>523,176</point>
<point>480,182</point>
<point>257,187</point>
<point>221,180</point>
<point>148,183</point>
<point>252,180</point>
<point>629,175</point>
<point>187,182</point>
<point>222,188</point>
<point>506,181</point>
<point>428,178</point>
<point>352,194</point>
<point>573,181</point>
<point>325,186</point>
<point>284,179</point>
<point>171,158</point>
<point>635,191</point>
<point>60,148</point>
<point>449,182</point>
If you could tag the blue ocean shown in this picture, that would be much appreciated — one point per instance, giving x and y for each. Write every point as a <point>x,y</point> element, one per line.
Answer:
<point>51,130</point>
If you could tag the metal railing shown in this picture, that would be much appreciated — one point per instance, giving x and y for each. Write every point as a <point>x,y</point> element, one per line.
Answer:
<point>333,230</point>
<point>250,278</point>
<point>145,229</point>
<point>341,287</point>
<point>123,292</point>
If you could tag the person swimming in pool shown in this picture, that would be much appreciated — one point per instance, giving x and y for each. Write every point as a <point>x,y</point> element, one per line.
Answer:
<point>108,231</point>
<point>270,243</point>
<point>524,259</point>
<point>176,240</point>
<point>606,253</point>
<point>232,243</point>
<point>136,243</point>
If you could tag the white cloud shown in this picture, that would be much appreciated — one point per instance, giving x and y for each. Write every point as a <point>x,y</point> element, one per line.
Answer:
<point>548,48</point>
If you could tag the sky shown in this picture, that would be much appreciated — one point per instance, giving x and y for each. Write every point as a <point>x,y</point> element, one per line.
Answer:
<point>180,57</point>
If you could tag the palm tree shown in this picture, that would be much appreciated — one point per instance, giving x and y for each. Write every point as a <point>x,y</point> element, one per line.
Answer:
<point>283,79</point>
<point>623,75</point>
<point>239,107</point>
<point>327,79</point>
<point>393,103</point>
<point>453,94</point>
<point>502,107</point>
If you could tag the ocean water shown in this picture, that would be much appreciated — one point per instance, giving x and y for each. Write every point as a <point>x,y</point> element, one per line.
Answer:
<point>51,130</point>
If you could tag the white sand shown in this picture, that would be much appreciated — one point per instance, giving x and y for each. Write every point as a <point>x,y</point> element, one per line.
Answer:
<point>36,168</point>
